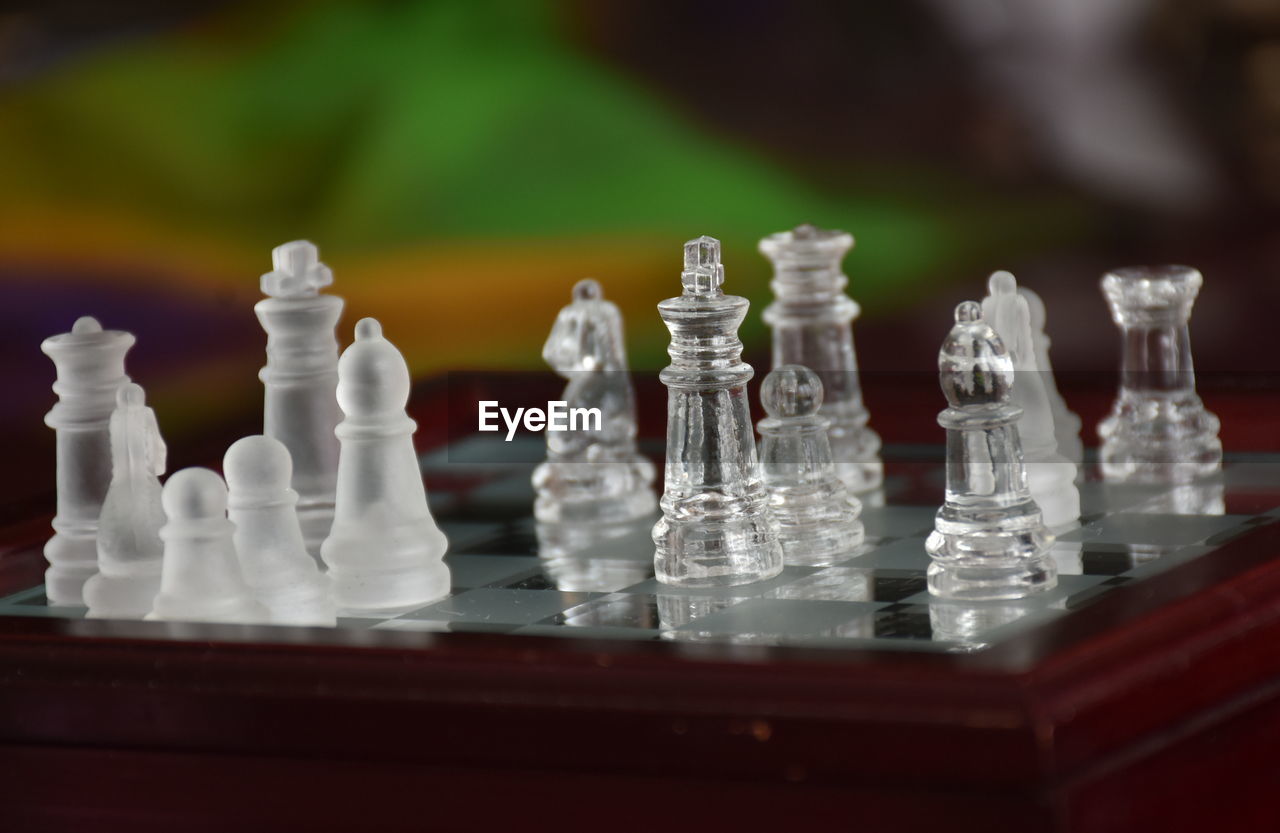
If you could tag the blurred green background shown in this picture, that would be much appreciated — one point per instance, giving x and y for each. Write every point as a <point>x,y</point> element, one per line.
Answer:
<point>462,164</point>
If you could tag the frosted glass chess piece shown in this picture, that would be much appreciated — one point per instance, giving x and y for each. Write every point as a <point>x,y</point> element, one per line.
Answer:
<point>989,539</point>
<point>818,521</point>
<point>1066,423</point>
<point>300,379</point>
<point>1158,430</point>
<point>1050,475</point>
<point>385,551</point>
<point>273,556</point>
<point>812,322</point>
<point>90,365</point>
<point>130,552</point>
<point>593,472</point>
<point>201,580</point>
<point>716,527</point>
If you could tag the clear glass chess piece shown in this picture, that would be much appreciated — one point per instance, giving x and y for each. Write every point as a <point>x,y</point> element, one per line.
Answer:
<point>130,552</point>
<point>989,540</point>
<point>812,322</point>
<point>593,472</point>
<point>716,527</point>
<point>818,521</point>
<point>1158,430</point>
<point>90,366</point>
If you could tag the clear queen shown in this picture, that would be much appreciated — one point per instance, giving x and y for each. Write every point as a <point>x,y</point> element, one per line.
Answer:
<point>716,528</point>
<point>812,322</point>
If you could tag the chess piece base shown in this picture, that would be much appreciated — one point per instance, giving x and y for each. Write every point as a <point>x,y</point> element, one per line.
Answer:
<point>122,596</point>
<point>72,562</point>
<point>706,552</point>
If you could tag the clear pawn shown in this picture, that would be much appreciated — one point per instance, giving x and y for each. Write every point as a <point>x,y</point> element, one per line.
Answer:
<point>818,521</point>
<point>385,551</point>
<point>593,474</point>
<point>1158,430</point>
<point>269,543</point>
<point>1050,475</point>
<point>812,322</point>
<point>989,539</point>
<point>201,580</point>
<point>130,552</point>
<point>716,526</point>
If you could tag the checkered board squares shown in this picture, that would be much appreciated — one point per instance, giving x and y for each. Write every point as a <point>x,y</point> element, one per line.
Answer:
<point>875,598</point>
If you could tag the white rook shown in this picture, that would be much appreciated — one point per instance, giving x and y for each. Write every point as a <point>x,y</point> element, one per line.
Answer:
<point>90,364</point>
<point>301,378</point>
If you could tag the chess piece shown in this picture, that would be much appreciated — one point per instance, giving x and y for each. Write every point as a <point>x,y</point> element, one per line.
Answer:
<point>130,552</point>
<point>1050,475</point>
<point>90,365</point>
<point>1066,423</point>
<point>384,551</point>
<point>716,527</point>
<point>593,474</point>
<point>300,405</point>
<point>273,556</point>
<point>1158,430</point>
<point>812,322</point>
<point>201,580</point>
<point>989,539</point>
<point>818,521</point>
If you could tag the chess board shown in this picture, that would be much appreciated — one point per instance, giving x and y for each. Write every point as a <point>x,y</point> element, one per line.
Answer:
<point>875,599</point>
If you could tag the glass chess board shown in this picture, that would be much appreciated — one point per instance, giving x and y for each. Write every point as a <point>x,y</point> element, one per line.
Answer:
<point>875,599</point>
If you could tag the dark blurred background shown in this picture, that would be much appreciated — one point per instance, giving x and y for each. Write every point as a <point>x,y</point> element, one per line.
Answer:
<point>462,164</point>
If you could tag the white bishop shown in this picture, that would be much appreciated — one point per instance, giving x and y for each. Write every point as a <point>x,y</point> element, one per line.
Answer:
<point>385,551</point>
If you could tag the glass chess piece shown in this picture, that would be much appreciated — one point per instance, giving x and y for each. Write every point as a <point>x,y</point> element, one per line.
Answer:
<point>593,474</point>
<point>268,537</point>
<point>716,526</point>
<point>1066,423</point>
<point>130,552</point>
<point>1158,430</point>
<point>817,518</point>
<point>90,367</point>
<point>989,539</point>
<point>300,379</point>
<point>201,580</point>
<point>812,323</point>
<point>384,552</point>
<point>1050,475</point>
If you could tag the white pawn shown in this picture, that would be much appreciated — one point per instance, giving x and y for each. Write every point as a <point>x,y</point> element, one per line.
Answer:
<point>130,553</point>
<point>818,521</point>
<point>385,551</point>
<point>1050,476</point>
<point>268,537</point>
<point>201,581</point>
